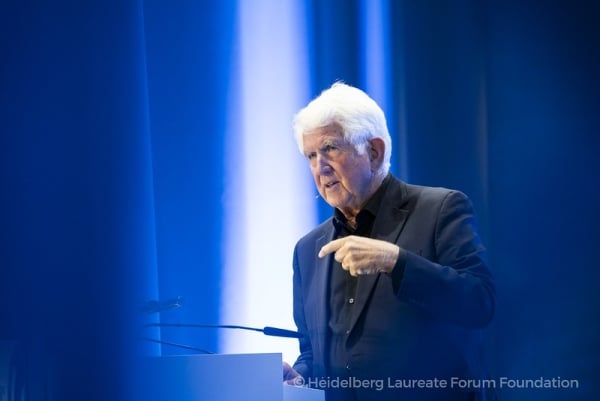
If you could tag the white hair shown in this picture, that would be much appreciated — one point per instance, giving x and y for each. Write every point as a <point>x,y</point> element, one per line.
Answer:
<point>359,117</point>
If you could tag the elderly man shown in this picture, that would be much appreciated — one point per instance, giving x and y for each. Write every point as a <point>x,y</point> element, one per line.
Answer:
<point>391,292</point>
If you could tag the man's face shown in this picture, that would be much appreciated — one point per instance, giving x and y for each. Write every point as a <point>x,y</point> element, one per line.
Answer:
<point>343,177</point>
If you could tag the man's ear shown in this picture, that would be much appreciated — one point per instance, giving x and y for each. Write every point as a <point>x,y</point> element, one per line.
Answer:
<point>376,150</point>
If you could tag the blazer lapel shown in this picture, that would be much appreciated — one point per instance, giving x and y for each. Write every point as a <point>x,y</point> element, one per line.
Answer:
<point>387,227</point>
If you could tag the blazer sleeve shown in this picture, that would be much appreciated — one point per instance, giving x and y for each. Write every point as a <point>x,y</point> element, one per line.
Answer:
<point>457,287</point>
<point>304,362</point>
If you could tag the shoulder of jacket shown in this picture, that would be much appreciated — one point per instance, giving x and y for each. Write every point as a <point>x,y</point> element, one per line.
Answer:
<point>426,192</point>
<point>410,193</point>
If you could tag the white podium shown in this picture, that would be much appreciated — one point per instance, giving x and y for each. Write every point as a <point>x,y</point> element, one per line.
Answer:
<point>222,377</point>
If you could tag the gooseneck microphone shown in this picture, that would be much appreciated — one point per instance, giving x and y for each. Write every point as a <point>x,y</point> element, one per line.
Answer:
<point>267,330</point>
<point>277,332</point>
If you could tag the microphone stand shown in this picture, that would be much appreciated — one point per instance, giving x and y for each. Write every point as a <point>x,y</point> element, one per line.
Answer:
<point>177,345</point>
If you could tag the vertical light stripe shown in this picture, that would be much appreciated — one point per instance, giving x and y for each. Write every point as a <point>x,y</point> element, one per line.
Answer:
<point>377,77</point>
<point>269,201</point>
<point>374,51</point>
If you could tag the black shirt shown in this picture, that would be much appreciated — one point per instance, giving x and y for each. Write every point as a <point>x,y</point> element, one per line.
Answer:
<point>342,286</point>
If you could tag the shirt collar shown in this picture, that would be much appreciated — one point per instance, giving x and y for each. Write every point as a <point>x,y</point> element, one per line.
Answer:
<point>370,209</point>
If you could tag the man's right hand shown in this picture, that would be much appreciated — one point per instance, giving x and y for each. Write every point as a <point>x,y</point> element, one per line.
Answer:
<point>291,377</point>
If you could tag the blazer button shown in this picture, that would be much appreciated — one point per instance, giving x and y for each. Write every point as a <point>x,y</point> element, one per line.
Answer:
<point>347,331</point>
<point>348,367</point>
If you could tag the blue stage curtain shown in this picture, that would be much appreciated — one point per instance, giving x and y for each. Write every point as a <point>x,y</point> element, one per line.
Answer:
<point>77,243</point>
<point>189,62</point>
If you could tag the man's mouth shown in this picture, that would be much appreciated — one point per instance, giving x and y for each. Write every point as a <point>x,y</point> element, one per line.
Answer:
<point>330,184</point>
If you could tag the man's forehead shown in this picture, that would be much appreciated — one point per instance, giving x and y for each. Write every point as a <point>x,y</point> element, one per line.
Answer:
<point>322,135</point>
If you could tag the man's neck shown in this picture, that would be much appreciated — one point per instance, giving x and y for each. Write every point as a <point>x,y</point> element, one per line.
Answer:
<point>350,215</point>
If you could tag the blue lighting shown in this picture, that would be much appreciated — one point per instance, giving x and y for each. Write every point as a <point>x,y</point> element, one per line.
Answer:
<point>269,195</point>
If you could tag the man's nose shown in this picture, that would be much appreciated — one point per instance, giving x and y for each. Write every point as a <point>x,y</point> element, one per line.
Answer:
<point>323,165</point>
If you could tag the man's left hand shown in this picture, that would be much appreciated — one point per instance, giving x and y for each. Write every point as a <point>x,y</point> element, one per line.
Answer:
<point>361,255</point>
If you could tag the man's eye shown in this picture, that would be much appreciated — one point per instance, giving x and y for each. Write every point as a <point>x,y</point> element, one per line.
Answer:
<point>311,156</point>
<point>330,148</point>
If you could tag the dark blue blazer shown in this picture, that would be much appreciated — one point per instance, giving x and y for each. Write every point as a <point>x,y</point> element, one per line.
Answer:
<point>429,326</point>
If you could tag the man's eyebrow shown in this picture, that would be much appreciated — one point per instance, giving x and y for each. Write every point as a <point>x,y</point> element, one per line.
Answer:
<point>337,142</point>
<point>329,141</point>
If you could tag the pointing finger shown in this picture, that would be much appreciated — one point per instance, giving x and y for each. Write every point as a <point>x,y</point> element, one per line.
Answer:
<point>332,246</point>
